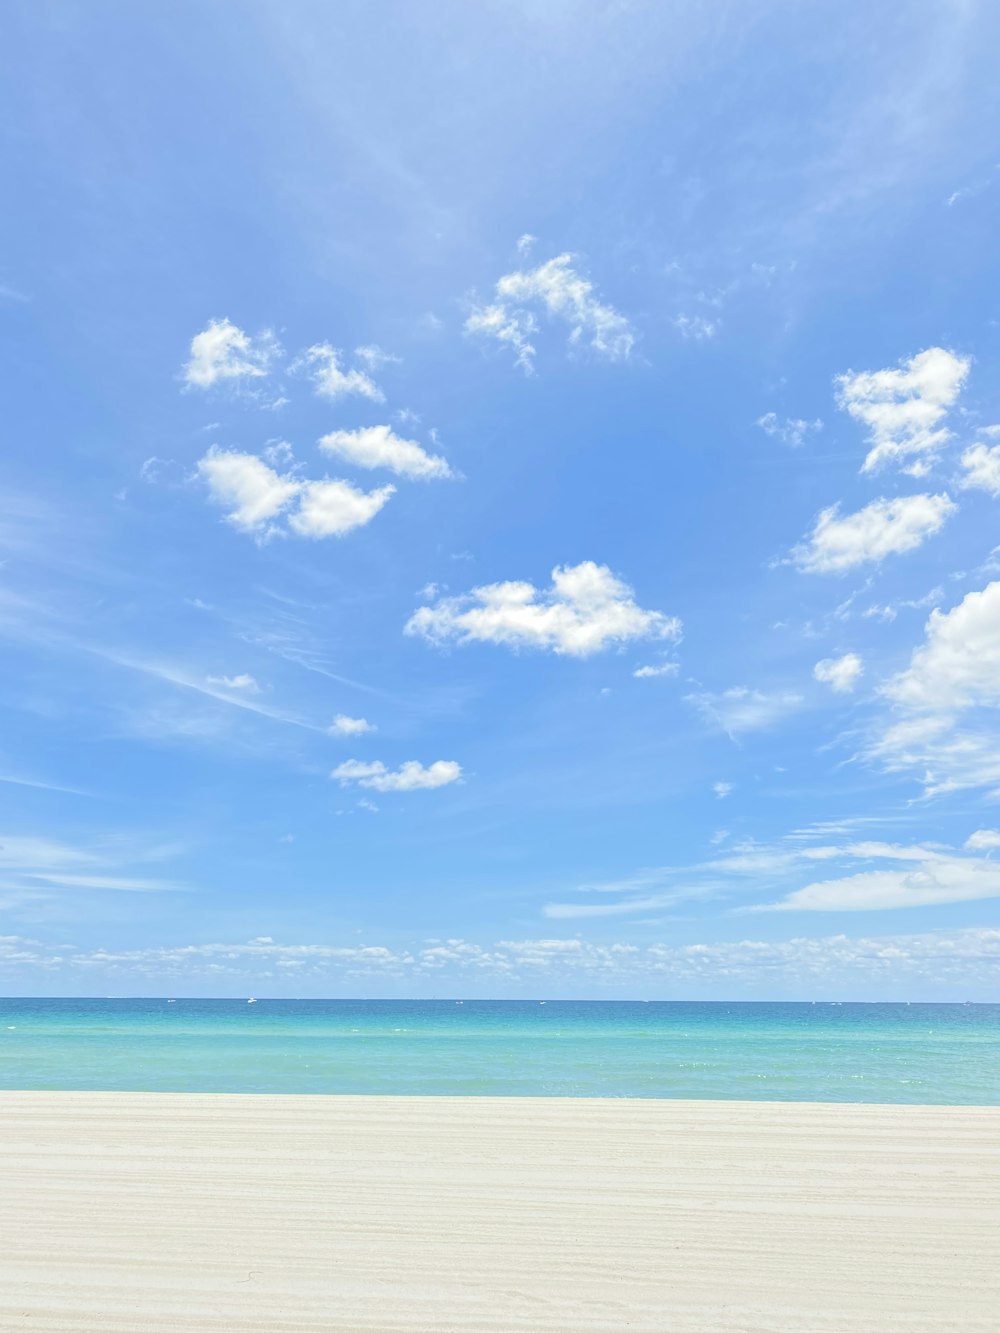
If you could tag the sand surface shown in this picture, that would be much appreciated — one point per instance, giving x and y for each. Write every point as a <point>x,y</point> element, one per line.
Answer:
<point>128,1212</point>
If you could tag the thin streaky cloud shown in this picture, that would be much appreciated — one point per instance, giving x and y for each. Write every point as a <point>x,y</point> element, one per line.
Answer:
<point>40,785</point>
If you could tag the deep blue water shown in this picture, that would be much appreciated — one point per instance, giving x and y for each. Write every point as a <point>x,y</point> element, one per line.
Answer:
<point>932,1053</point>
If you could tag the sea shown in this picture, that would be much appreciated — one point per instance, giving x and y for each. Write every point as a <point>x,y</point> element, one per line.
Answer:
<point>945,1054</point>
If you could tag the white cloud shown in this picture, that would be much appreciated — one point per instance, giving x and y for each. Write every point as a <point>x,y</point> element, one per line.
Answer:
<point>793,431</point>
<point>333,508</point>
<point>948,697</point>
<point>224,352</point>
<point>279,454</point>
<point>653,672</point>
<point>562,293</point>
<point>161,472</point>
<point>378,446</point>
<point>253,493</point>
<point>903,409</point>
<point>585,610</point>
<point>840,673</point>
<point>410,776</point>
<point>343,725</point>
<point>983,840</point>
<point>924,878</point>
<point>695,328</point>
<point>722,789</point>
<point>982,468</point>
<point>256,495</point>
<point>889,613</point>
<point>946,756</point>
<point>37,867</point>
<point>882,528</point>
<point>243,682</point>
<point>374,356</point>
<point>515,328</point>
<point>859,875</point>
<point>953,963</point>
<point>330,381</point>
<point>741,709</point>
<point>958,665</point>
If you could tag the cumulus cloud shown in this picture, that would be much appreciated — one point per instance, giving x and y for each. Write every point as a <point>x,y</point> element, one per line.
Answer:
<point>793,431</point>
<point>654,672</point>
<point>903,409</point>
<point>562,293</point>
<point>410,776</point>
<point>334,508</point>
<point>982,465</point>
<point>958,665</point>
<point>343,725</point>
<point>331,381</point>
<point>947,699</point>
<point>223,352</point>
<point>884,527</point>
<point>585,610</point>
<point>983,840</point>
<point>244,682</point>
<point>256,495</point>
<point>379,446</point>
<point>840,673</point>
<point>952,962</point>
<point>252,493</point>
<point>741,709</point>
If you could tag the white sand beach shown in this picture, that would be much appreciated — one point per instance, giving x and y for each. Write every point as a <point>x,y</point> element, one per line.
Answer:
<point>197,1214</point>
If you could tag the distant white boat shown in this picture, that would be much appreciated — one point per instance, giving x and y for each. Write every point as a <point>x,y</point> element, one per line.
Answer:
<point>171,1002</point>
<point>251,1000</point>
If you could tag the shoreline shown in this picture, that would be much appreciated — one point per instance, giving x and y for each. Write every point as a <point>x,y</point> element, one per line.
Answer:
<point>219,1211</point>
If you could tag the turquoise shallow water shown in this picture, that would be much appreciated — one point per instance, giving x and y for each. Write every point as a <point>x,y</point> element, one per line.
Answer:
<point>932,1053</point>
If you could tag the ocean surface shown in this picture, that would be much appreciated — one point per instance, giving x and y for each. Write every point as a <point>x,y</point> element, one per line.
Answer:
<point>930,1053</point>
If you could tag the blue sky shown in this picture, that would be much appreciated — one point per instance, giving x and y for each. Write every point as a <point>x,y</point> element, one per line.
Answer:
<point>500,500</point>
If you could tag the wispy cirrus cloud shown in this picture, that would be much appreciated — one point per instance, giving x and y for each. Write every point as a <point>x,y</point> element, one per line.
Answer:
<point>899,877</point>
<point>741,709</point>
<point>860,875</point>
<point>33,868</point>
